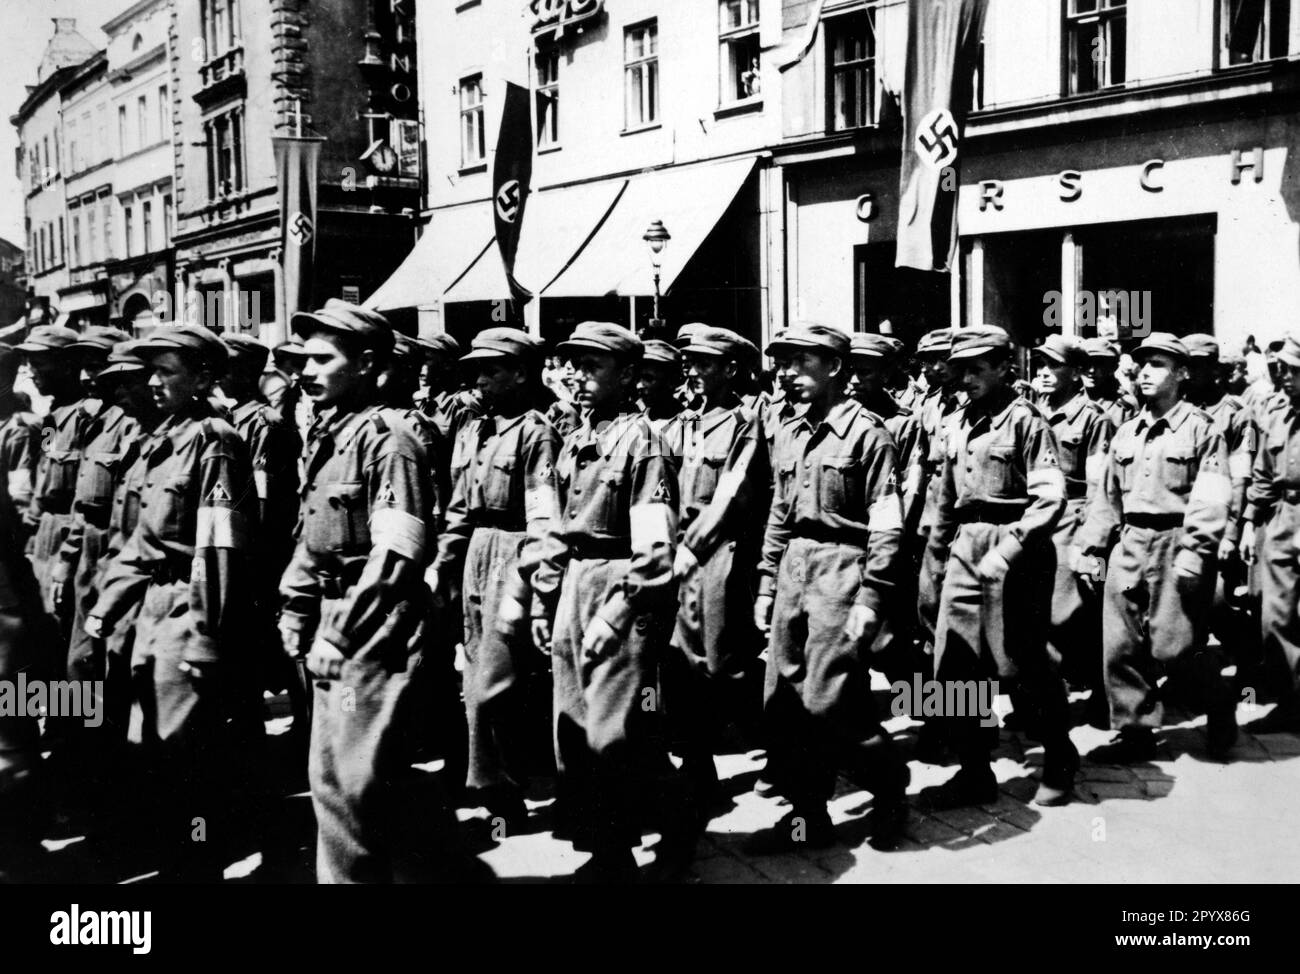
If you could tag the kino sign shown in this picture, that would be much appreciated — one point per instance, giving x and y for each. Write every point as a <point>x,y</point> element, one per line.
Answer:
<point>555,15</point>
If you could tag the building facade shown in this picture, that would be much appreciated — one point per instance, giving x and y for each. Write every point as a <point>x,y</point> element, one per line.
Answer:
<point>243,71</point>
<point>100,216</point>
<point>1125,166</point>
<point>40,163</point>
<point>1125,169</point>
<point>641,111</point>
<point>139,255</point>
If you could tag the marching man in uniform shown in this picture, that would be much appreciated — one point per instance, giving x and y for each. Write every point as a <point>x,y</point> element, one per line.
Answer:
<point>1273,503</point>
<point>602,596</point>
<point>186,566</point>
<point>355,603</point>
<point>502,502</point>
<point>725,482</point>
<point>1166,490</point>
<point>829,555</point>
<point>1000,495</point>
<point>1083,434</point>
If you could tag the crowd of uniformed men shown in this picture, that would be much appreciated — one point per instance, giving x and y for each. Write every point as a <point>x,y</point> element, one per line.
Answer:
<point>198,520</point>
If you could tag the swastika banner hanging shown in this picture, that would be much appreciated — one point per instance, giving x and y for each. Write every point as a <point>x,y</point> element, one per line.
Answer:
<point>296,160</point>
<point>512,171</point>
<point>943,38</point>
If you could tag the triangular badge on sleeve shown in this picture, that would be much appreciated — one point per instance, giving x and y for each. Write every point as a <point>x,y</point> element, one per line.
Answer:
<point>662,494</point>
<point>218,494</point>
<point>387,495</point>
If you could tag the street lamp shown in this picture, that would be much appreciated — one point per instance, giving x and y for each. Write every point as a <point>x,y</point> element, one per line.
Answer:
<point>656,239</point>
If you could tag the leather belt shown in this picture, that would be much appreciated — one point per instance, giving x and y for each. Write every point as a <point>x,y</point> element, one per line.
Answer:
<point>984,512</point>
<point>606,549</point>
<point>1154,522</point>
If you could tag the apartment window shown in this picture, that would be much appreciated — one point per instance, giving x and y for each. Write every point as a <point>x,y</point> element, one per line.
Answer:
<point>63,247</point>
<point>101,133</point>
<point>738,50</point>
<point>146,225</point>
<point>473,148</point>
<point>92,242</point>
<point>548,96</point>
<point>76,240</point>
<point>225,154</point>
<point>46,142</point>
<point>142,121</point>
<point>106,212</point>
<point>220,26</point>
<point>1254,30</point>
<point>163,115</point>
<point>128,226</point>
<point>121,129</point>
<point>1096,38</point>
<point>167,221</point>
<point>851,44</point>
<point>641,74</point>
<point>72,146</point>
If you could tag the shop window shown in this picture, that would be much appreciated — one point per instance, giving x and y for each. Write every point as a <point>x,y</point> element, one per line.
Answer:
<point>1096,38</point>
<point>641,74</point>
<point>738,50</point>
<point>1254,30</point>
<point>548,96</point>
<point>851,42</point>
<point>473,144</point>
<point>913,301</point>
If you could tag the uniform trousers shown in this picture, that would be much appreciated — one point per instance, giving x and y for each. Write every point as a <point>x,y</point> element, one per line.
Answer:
<point>817,703</point>
<point>997,630</point>
<point>1279,561</point>
<point>1074,636</point>
<point>378,821</point>
<point>496,667</point>
<point>603,710</point>
<point>1155,624</point>
<point>181,749</point>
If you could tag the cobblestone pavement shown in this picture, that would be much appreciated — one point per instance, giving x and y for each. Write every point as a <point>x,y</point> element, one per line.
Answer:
<point>1182,818</point>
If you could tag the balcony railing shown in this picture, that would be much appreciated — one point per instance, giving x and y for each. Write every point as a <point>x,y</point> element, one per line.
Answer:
<point>221,67</point>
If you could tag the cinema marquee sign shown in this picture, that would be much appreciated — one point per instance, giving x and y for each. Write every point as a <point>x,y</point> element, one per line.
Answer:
<point>555,15</point>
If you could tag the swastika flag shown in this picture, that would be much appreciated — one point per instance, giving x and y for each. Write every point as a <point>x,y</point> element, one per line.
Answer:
<point>511,174</point>
<point>943,38</point>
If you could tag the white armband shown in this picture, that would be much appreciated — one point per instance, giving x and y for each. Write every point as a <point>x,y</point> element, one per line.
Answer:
<point>219,527</point>
<point>397,531</point>
<point>886,514</point>
<point>651,525</point>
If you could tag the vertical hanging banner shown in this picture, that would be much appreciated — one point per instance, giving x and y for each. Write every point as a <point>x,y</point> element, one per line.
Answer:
<point>296,161</point>
<point>512,171</point>
<point>943,38</point>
